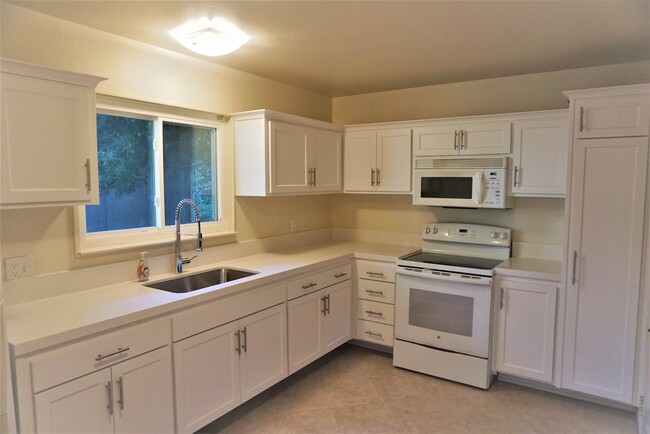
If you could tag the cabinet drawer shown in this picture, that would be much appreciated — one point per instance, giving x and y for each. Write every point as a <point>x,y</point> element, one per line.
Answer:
<point>74,360</point>
<point>376,291</point>
<point>219,312</point>
<point>369,331</point>
<point>381,271</point>
<point>314,282</point>
<point>378,312</point>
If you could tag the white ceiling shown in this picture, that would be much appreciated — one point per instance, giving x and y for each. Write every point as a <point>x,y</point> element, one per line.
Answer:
<point>350,47</point>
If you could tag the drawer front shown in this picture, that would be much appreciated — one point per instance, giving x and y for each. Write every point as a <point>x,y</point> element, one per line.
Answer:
<point>74,360</point>
<point>219,312</point>
<point>369,331</point>
<point>319,280</point>
<point>376,291</point>
<point>378,312</point>
<point>375,270</point>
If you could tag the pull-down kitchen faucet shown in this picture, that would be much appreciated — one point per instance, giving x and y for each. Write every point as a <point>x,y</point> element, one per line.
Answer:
<point>199,237</point>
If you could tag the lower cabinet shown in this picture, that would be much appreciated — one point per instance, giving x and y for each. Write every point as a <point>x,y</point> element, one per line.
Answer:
<point>219,369</point>
<point>526,328</point>
<point>375,301</point>
<point>318,322</point>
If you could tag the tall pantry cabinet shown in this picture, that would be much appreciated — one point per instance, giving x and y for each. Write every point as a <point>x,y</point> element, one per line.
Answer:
<point>605,211</point>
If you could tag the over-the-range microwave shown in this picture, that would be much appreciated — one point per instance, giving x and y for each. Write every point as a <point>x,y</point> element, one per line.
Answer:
<point>461,182</point>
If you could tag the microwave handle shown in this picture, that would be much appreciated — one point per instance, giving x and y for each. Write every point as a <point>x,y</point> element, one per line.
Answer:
<point>478,179</point>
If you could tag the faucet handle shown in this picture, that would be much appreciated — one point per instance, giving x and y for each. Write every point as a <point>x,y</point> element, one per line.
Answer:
<point>187,260</point>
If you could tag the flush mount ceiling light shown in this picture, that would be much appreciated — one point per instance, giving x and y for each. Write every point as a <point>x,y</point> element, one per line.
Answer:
<point>210,37</point>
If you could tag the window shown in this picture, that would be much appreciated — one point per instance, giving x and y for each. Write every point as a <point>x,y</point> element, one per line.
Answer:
<point>149,159</point>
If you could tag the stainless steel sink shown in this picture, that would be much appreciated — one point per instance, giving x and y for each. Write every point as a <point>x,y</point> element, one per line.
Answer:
<point>192,282</point>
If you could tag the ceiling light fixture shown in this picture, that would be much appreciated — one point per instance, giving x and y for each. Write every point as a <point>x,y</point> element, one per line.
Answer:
<point>210,37</point>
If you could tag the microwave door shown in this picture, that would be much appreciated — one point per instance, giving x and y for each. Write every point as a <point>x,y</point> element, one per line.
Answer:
<point>452,188</point>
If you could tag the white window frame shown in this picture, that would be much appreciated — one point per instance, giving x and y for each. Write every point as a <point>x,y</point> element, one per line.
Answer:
<point>97,242</point>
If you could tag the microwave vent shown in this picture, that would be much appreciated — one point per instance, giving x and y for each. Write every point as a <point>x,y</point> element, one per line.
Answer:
<point>462,163</point>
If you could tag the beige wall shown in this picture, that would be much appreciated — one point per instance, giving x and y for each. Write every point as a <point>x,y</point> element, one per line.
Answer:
<point>532,220</point>
<point>138,71</point>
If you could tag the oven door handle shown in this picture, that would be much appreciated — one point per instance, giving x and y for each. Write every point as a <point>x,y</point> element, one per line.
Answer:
<point>443,275</point>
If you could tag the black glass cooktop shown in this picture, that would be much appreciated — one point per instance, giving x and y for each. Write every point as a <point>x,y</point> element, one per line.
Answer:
<point>452,260</point>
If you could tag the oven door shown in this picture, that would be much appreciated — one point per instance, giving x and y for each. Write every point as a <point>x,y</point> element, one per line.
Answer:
<point>445,187</point>
<point>444,311</point>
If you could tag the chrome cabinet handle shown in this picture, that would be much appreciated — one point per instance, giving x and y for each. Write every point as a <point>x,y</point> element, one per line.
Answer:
<point>88,184</point>
<point>340,275</point>
<point>378,177</point>
<point>462,139</point>
<point>574,279</point>
<point>109,393</point>
<point>309,285</point>
<point>515,176</point>
<point>456,140</point>
<point>370,312</point>
<point>324,310</point>
<point>374,273</point>
<point>369,333</point>
<point>120,350</point>
<point>372,177</point>
<point>371,292</point>
<point>244,344</point>
<point>313,171</point>
<point>582,123</point>
<point>503,293</point>
<point>120,390</point>
<point>238,347</point>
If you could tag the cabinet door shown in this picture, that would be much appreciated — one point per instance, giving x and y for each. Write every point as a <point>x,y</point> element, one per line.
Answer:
<point>616,116</point>
<point>49,143</point>
<point>539,157</point>
<point>436,140</point>
<point>485,138</point>
<point>305,319</point>
<point>83,405</point>
<point>605,240</point>
<point>360,161</point>
<point>263,360</point>
<point>338,318</point>
<point>326,160</point>
<point>143,393</point>
<point>526,330</point>
<point>206,373</point>
<point>394,160</point>
<point>288,159</point>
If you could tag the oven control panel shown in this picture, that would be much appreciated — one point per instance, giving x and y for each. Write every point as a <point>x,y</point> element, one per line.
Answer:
<point>466,233</point>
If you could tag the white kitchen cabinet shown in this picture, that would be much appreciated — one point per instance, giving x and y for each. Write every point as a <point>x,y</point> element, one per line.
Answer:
<point>539,158</point>
<point>218,369</point>
<point>49,139</point>
<point>378,160</point>
<point>279,154</point>
<point>375,301</point>
<point>605,210</point>
<point>462,137</point>
<point>121,393</point>
<point>601,114</point>
<point>526,328</point>
<point>318,322</point>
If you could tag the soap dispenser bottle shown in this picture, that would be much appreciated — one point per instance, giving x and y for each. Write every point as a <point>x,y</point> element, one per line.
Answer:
<point>143,268</point>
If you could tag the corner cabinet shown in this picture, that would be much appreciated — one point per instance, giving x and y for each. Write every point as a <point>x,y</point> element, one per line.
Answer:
<point>280,154</point>
<point>609,160</point>
<point>378,160</point>
<point>375,300</point>
<point>539,157</point>
<point>48,149</point>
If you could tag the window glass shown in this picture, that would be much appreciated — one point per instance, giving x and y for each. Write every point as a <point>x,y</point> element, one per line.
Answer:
<point>126,175</point>
<point>189,164</point>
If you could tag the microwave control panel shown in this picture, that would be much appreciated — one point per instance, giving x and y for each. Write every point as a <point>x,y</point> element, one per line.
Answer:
<point>494,189</point>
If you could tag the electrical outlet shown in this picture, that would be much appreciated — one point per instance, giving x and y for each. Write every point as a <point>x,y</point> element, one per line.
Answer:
<point>19,267</point>
<point>294,225</point>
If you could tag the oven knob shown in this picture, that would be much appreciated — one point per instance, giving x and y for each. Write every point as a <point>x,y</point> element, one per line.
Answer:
<point>435,230</point>
<point>427,230</point>
<point>503,235</point>
<point>494,235</point>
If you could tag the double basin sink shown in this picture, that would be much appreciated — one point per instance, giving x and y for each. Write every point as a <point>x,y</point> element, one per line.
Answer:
<point>193,282</point>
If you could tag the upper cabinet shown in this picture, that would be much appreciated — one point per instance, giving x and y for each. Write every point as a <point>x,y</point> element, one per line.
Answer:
<point>462,137</point>
<point>600,115</point>
<point>539,157</point>
<point>378,160</point>
<point>49,138</point>
<point>280,154</point>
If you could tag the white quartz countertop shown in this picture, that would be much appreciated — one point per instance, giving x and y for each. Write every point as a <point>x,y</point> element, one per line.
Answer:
<point>43,323</point>
<point>531,268</point>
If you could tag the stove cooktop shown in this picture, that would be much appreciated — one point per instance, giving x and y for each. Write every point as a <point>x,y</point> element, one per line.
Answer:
<point>431,260</point>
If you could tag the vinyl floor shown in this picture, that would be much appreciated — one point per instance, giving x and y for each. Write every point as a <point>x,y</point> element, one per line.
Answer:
<point>354,390</point>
